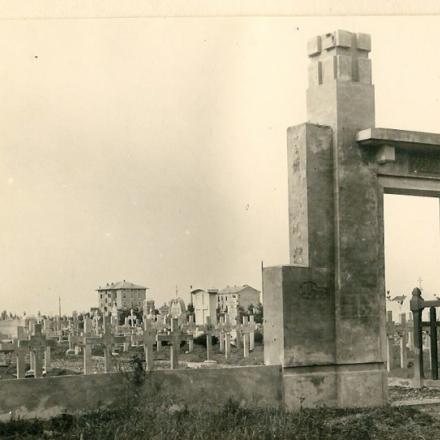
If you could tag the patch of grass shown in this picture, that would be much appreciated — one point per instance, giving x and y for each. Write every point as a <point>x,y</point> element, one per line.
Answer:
<point>165,417</point>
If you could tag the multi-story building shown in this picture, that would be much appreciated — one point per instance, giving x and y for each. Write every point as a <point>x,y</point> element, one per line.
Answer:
<point>205,305</point>
<point>123,294</point>
<point>233,297</point>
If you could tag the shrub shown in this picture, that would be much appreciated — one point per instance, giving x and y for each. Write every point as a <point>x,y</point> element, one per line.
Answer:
<point>201,340</point>
<point>258,337</point>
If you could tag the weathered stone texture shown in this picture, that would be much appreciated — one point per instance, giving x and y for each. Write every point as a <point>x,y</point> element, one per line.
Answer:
<point>333,297</point>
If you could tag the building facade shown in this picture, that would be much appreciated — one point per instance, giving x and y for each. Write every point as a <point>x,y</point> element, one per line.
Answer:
<point>123,294</point>
<point>205,305</point>
<point>233,297</point>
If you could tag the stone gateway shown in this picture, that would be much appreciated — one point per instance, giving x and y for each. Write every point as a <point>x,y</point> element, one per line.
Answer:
<point>331,339</point>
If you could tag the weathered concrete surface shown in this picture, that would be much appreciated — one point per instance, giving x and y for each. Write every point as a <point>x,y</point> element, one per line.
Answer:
<point>332,301</point>
<point>48,397</point>
<point>299,328</point>
<point>335,386</point>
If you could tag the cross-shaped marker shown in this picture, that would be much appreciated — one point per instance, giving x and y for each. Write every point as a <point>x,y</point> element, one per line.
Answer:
<point>20,346</point>
<point>245,330</point>
<point>149,338</point>
<point>37,346</point>
<point>175,337</point>
<point>107,340</point>
<point>209,330</point>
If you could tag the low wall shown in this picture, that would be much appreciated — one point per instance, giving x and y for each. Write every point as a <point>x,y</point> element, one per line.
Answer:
<point>51,396</point>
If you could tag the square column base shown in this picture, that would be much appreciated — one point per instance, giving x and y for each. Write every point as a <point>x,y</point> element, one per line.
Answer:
<point>338,386</point>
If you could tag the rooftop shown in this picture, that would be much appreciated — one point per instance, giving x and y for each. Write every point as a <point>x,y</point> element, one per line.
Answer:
<point>121,285</point>
<point>236,289</point>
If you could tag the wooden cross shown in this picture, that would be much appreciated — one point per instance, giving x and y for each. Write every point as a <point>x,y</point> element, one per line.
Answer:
<point>246,330</point>
<point>87,329</point>
<point>149,338</point>
<point>75,340</point>
<point>221,333</point>
<point>209,330</point>
<point>390,329</point>
<point>238,333</point>
<point>174,337</point>
<point>107,340</point>
<point>96,320</point>
<point>37,347</point>
<point>161,326</point>
<point>253,327</point>
<point>89,342</point>
<point>20,346</point>
<point>190,328</point>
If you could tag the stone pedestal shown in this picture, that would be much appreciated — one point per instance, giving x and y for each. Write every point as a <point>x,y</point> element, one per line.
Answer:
<point>325,312</point>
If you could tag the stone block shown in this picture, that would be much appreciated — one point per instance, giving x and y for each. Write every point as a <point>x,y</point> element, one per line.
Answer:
<point>364,70</point>
<point>344,68</point>
<point>385,153</point>
<point>298,333</point>
<point>315,74</point>
<point>310,387</point>
<point>328,41</point>
<point>364,42</point>
<point>343,38</point>
<point>328,69</point>
<point>343,386</point>
<point>314,46</point>
<point>310,179</point>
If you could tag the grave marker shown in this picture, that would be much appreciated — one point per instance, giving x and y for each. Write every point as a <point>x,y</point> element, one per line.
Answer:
<point>174,337</point>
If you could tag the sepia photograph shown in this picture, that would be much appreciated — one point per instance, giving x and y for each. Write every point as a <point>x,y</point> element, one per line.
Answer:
<point>219,223</point>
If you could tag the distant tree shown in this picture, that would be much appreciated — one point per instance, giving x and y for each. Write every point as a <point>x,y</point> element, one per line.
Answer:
<point>259,314</point>
<point>190,309</point>
<point>4,315</point>
<point>240,313</point>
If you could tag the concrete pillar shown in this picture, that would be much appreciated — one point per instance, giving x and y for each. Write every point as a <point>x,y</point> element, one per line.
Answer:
<point>327,308</point>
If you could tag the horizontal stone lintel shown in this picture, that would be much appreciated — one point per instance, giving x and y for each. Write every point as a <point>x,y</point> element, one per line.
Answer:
<point>415,141</point>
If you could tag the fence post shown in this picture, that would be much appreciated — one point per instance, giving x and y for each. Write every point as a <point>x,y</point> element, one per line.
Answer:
<point>434,358</point>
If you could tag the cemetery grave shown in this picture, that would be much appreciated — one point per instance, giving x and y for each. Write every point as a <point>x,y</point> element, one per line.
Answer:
<point>86,351</point>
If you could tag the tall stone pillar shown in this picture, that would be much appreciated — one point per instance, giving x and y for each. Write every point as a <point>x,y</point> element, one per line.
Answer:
<point>325,313</point>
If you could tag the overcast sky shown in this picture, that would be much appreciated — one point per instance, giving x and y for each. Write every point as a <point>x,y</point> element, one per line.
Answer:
<point>154,150</point>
